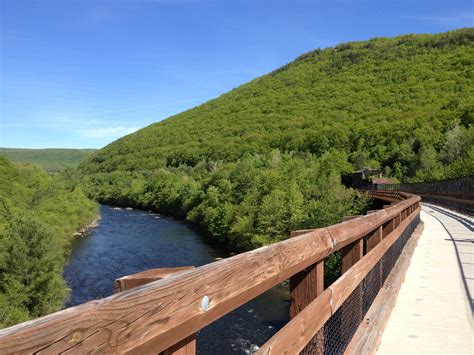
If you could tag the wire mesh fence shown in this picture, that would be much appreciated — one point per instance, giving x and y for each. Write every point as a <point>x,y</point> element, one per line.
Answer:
<point>338,331</point>
<point>456,194</point>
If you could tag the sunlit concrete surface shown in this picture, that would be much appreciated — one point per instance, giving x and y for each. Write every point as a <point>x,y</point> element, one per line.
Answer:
<point>433,313</point>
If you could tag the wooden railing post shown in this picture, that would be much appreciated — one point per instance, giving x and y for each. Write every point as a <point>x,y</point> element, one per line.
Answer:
<point>374,238</point>
<point>186,346</point>
<point>372,241</point>
<point>305,286</point>
<point>388,227</point>
<point>351,254</point>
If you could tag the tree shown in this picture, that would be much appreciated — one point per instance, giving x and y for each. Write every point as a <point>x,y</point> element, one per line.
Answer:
<point>453,148</point>
<point>429,166</point>
<point>30,271</point>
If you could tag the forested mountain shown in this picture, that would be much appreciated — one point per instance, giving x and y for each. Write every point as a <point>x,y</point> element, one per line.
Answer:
<point>38,216</point>
<point>52,160</point>
<point>267,156</point>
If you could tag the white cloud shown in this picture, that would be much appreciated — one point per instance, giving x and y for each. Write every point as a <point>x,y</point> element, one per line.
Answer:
<point>107,132</point>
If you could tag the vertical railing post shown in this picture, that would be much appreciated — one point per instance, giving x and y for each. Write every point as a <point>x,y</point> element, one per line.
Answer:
<point>184,347</point>
<point>388,227</point>
<point>305,286</point>
<point>351,254</point>
<point>374,238</point>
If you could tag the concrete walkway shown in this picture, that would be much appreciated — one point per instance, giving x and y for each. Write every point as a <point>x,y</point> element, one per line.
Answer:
<point>433,313</point>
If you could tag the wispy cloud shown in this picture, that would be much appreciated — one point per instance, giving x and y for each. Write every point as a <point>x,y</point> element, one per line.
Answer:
<point>136,108</point>
<point>462,18</point>
<point>107,132</point>
<point>100,123</point>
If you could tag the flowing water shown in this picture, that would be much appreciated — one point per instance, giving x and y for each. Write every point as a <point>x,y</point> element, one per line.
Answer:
<point>126,242</point>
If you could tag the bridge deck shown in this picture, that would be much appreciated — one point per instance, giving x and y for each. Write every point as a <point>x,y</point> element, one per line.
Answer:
<point>433,311</point>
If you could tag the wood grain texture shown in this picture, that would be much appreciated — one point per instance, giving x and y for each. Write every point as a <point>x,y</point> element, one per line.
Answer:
<point>184,347</point>
<point>374,238</point>
<point>351,254</point>
<point>147,276</point>
<point>348,218</point>
<point>300,232</point>
<point>305,286</point>
<point>388,227</point>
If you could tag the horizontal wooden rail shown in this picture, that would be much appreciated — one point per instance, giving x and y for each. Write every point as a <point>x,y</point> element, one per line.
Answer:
<point>158,315</point>
<point>294,336</point>
<point>145,277</point>
<point>184,347</point>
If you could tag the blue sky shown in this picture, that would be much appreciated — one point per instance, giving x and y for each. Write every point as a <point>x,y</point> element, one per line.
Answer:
<point>82,73</point>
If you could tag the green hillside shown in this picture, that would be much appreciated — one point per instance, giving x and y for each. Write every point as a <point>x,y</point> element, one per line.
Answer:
<point>38,216</point>
<point>52,159</point>
<point>267,156</point>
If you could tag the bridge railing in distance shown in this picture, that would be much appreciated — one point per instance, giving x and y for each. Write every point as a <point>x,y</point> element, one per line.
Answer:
<point>155,317</point>
<point>456,194</point>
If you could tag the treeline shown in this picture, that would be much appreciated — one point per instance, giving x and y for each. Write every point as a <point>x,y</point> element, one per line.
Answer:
<point>38,216</point>
<point>52,160</point>
<point>245,204</point>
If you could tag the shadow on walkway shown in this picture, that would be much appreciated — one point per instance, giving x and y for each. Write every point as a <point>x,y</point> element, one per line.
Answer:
<point>466,221</point>
<point>451,222</point>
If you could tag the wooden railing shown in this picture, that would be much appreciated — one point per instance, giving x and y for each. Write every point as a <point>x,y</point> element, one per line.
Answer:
<point>456,193</point>
<point>164,315</point>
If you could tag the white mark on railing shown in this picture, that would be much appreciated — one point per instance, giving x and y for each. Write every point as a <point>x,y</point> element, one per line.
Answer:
<point>205,303</point>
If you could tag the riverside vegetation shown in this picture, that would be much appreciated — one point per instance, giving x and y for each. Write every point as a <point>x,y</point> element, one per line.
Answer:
<point>267,157</point>
<point>38,217</point>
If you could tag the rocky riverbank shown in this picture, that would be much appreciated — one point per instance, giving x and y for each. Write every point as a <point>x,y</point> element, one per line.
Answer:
<point>86,229</point>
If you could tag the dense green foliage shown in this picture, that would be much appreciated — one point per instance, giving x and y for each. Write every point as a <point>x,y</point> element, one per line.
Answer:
<point>38,216</point>
<point>246,204</point>
<point>267,157</point>
<point>52,160</point>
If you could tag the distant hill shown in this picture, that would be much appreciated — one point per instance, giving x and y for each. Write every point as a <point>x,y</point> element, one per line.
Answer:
<point>52,160</point>
<point>381,101</point>
<point>267,157</point>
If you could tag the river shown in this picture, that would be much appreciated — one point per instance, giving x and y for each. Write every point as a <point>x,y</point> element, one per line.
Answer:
<point>126,242</point>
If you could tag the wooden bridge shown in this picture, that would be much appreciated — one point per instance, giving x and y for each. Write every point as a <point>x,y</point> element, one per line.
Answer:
<point>160,311</point>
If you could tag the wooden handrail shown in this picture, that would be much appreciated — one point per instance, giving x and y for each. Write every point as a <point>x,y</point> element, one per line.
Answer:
<point>154,317</point>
